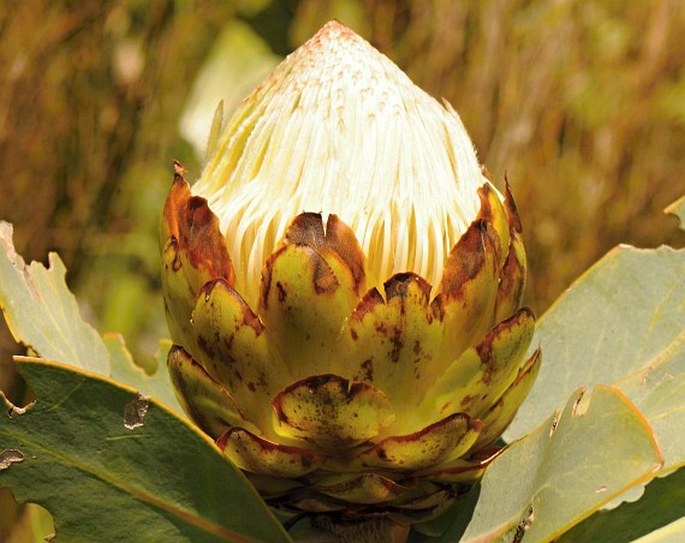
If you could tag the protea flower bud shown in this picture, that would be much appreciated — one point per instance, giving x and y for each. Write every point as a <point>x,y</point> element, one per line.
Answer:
<point>342,285</point>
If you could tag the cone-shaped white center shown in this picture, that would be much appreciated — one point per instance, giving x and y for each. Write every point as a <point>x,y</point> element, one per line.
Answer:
<point>338,128</point>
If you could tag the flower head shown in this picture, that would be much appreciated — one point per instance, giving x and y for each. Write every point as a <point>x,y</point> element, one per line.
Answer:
<point>338,128</point>
<point>343,288</point>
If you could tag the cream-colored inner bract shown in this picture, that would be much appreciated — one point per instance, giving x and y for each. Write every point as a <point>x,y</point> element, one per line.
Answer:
<point>338,128</point>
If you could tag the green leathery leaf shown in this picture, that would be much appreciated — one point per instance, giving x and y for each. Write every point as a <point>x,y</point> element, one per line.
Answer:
<point>659,393</point>
<point>41,312</point>
<point>94,452</point>
<point>660,512</point>
<point>623,322</point>
<point>564,471</point>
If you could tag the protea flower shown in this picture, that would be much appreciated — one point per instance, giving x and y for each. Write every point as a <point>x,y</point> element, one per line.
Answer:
<point>342,285</point>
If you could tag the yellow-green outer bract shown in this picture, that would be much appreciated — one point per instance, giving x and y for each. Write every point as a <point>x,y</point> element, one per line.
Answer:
<point>335,397</point>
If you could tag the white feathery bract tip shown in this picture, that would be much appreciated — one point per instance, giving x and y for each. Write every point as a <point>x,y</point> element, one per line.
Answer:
<point>338,128</point>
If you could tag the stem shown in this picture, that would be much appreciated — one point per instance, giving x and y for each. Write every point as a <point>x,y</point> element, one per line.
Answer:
<point>369,530</point>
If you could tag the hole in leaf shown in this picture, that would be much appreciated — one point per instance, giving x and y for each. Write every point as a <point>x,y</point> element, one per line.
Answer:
<point>135,411</point>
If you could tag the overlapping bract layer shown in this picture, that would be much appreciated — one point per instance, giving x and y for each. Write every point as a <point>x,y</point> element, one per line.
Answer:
<point>333,396</point>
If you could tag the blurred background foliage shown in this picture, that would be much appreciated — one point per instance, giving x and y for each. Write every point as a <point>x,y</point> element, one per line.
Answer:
<point>581,104</point>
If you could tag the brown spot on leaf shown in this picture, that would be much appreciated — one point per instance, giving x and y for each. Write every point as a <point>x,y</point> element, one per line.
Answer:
<point>487,214</point>
<point>438,307</point>
<point>327,387</point>
<point>251,319</point>
<point>201,238</point>
<point>265,283</point>
<point>282,293</point>
<point>228,342</point>
<point>466,401</point>
<point>456,422</point>
<point>205,347</point>
<point>262,379</point>
<point>9,457</point>
<point>397,344</point>
<point>172,246</point>
<point>306,460</point>
<point>222,440</point>
<point>135,411</point>
<point>367,368</point>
